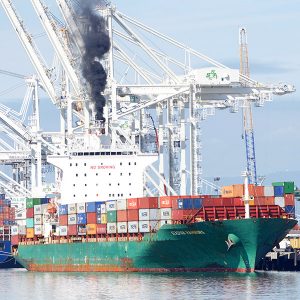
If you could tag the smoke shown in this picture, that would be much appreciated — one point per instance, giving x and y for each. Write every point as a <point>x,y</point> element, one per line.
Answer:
<point>97,43</point>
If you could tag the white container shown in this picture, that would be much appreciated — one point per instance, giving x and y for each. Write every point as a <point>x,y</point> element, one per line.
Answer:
<point>165,213</point>
<point>44,208</point>
<point>133,227</point>
<point>144,226</point>
<point>154,214</point>
<point>154,225</point>
<point>14,230</point>
<point>144,214</point>
<point>22,230</point>
<point>103,208</point>
<point>269,191</point>
<point>111,205</point>
<point>122,227</point>
<point>121,204</point>
<point>38,219</point>
<point>111,227</point>
<point>37,209</point>
<point>80,208</point>
<point>63,230</point>
<point>279,201</point>
<point>21,222</point>
<point>38,229</point>
<point>72,219</point>
<point>71,208</point>
<point>163,222</point>
<point>21,215</point>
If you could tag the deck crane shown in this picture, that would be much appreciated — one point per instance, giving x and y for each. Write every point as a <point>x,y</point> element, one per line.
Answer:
<point>247,111</point>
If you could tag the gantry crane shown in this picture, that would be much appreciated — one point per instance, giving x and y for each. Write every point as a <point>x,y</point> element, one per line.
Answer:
<point>248,133</point>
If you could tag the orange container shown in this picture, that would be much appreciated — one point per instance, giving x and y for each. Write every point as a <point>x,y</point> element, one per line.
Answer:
<point>165,202</point>
<point>122,215</point>
<point>91,228</point>
<point>132,203</point>
<point>256,191</point>
<point>30,233</point>
<point>227,191</point>
<point>289,199</point>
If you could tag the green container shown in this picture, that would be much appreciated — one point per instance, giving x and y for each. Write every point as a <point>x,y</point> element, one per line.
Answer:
<point>112,216</point>
<point>29,222</point>
<point>29,203</point>
<point>289,187</point>
<point>278,183</point>
<point>37,201</point>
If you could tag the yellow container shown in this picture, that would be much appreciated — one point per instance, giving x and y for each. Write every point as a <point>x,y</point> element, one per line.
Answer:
<point>103,219</point>
<point>295,243</point>
<point>91,228</point>
<point>30,233</point>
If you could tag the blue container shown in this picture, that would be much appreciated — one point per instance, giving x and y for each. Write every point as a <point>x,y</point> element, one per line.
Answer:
<point>6,222</point>
<point>290,209</point>
<point>98,207</point>
<point>6,202</point>
<point>91,207</point>
<point>278,191</point>
<point>180,203</point>
<point>45,200</point>
<point>2,196</point>
<point>197,203</point>
<point>30,223</point>
<point>81,219</point>
<point>63,209</point>
<point>187,203</point>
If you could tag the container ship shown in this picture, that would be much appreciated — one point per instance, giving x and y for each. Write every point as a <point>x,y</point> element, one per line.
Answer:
<point>230,232</point>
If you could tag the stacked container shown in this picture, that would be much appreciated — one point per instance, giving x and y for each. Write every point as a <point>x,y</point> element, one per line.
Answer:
<point>284,195</point>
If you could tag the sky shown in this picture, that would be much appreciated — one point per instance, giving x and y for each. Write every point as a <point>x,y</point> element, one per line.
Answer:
<point>210,27</point>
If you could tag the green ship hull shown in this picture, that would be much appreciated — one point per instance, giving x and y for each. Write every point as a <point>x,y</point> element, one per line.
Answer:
<point>229,245</point>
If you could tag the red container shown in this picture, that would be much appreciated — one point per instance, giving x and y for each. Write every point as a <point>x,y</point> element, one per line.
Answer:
<point>213,202</point>
<point>63,220</point>
<point>91,218</point>
<point>14,239</point>
<point>132,203</point>
<point>148,202</point>
<point>122,215</point>
<point>6,209</point>
<point>72,229</point>
<point>101,228</point>
<point>256,191</point>
<point>177,214</point>
<point>165,201</point>
<point>29,213</point>
<point>133,215</point>
<point>264,200</point>
<point>289,199</point>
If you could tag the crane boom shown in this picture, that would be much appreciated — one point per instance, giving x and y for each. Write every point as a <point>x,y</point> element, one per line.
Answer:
<point>247,111</point>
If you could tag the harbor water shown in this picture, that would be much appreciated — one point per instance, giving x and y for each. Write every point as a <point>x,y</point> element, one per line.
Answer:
<point>20,284</point>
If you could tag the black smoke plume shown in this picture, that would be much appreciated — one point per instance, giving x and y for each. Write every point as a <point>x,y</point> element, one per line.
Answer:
<point>97,43</point>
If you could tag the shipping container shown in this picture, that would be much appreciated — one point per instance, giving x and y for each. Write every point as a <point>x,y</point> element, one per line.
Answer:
<point>255,190</point>
<point>38,229</point>
<point>63,230</point>
<point>233,191</point>
<point>14,230</point>
<point>111,228</point>
<point>72,219</point>
<point>197,203</point>
<point>279,201</point>
<point>122,227</point>
<point>144,214</point>
<point>45,200</point>
<point>132,203</point>
<point>264,201</point>
<point>81,229</point>
<point>72,229</point>
<point>154,214</point>
<point>165,213</point>
<point>80,208</point>
<point>22,230</point>
<point>30,233</point>
<point>81,219</point>
<point>278,183</point>
<point>2,196</point>
<point>29,222</point>
<point>91,228</point>
<point>29,213</point>
<point>133,214</point>
<point>289,187</point>
<point>122,215</point>
<point>121,204</point>
<point>112,216</point>
<point>269,191</point>
<point>289,199</point>
<point>278,191</point>
<point>63,209</point>
<point>37,209</point>
<point>98,207</point>
<point>72,209</point>
<point>36,201</point>
<point>38,219</point>
<point>91,218</point>
<point>144,226</point>
<point>14,240</point>
<point>101,228</point>
<point>133,227</point>
<point>103,208</point>
<point>111,205</point>
<point>63,220</point>
<point>165,201</point>
<point>290,209</point>
<point>154,225</point>
<point>103,218</point>
<point>90,207</point>
<point>148,202</point>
